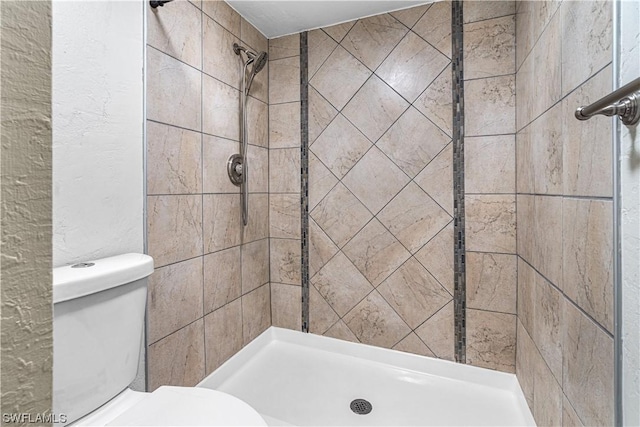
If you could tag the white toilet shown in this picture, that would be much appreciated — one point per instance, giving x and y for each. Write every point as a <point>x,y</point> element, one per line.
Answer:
<point>99,311</point>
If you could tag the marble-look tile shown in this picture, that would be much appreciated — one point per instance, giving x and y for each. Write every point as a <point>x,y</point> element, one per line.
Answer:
<point>583,56</point>
<point>284,80</point>
<point>414,293</point>
<point>526,356</point>
<point>173,159</point>
<point>284,216</point>
<point>284,125</point>
<point>548,321</point>
<point>178,359</point>
<point>220,60</point>
<point>223,14</point>
<point>174,230</point>
<point>481,10</point>
<point>258,123</point>
<point>437,179</point>
<point>258,169</point>
<point>173,91</point>
<point>341,284</point>
<point>413,217</point>
<point>588,369</point>
<point>320,312</point>
<point>337,32</point>
<point>411,15</point>
<point>284,47</point>
<point>527,277</point>
<point>215,154</point>
<point>547,396</point>
<point>222,278</point>
<point>258,222</point>
<point>255,265</point>
<point>437,257</point>
<point>374,108</point>
<point>321,113</point>
<point>321,248</point>
<point>491,223</point>
<point>540,234</point>
<point>588,257</point>
<point>222,221</point>
<point>436,102</point>
<point>252,37</point>
<point>175,298</point>
<point>491,282</point>
<point>176,32</point>
<point>374,322</point>
<point>341,331</point>
<point>491,340</point>
<point>587,144</point>
<point>340,146</point>
<point>286,306</point>
<point>284,170</point>
<point>435,26</point>
<point>376,252</point>
<point>375,180</point>
<point>490,47</point>
<point>340,77</point>
<point>412,142</point>
<point>223,334</point>
<point>321,180</point>
<point>437,333</point>
<point>285,257</point>
<point>489,164</point>
<point>221,110</point>
<point>412,344</point>
<point>373,38</point>
<point>569,416</point>
<point>539,154</point>
<point>490,106</point>
<point>320,46</point>
<point>412,66</point>
<point>256,313</point>
<point>341,215</point>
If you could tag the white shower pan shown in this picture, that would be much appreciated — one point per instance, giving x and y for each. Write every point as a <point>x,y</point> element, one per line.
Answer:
<point>294,378</point>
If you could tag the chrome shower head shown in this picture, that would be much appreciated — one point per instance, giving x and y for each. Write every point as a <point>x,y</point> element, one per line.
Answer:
<point>259,62</point>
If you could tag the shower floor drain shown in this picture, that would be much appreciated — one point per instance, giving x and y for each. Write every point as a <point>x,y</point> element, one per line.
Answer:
<point>361,406</point>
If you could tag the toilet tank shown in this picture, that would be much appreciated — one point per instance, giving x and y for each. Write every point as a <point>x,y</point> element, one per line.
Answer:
<point>98,324</point>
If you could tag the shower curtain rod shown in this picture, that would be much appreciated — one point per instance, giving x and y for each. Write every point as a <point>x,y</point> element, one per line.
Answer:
<point>623,102</point>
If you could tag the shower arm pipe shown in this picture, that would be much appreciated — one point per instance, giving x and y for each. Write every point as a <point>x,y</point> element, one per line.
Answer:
<point>623,102</point>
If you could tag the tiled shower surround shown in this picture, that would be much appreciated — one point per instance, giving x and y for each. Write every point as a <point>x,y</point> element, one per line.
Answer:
<point>381,242</point>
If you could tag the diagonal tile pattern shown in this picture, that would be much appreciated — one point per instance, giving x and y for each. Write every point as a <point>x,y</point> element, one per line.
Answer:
<point>381,182</point>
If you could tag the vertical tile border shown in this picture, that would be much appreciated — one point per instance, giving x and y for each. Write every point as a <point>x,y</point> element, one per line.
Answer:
<point>304,175</point>
<point>459,292</point>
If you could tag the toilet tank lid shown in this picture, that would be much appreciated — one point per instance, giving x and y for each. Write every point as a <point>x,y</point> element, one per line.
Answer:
<point>89,277</point>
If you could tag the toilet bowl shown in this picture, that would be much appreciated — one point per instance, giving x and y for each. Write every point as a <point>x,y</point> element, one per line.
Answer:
<point>98,327</point>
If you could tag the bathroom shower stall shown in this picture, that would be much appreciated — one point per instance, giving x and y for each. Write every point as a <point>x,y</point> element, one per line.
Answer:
<point>413,180</point>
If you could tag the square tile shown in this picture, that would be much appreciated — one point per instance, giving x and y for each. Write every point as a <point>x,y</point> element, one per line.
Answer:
<point>222,221</point>
<point>411,15</point>
<point>255,265</point>
<point>223,14</point>
<point>490,106</point>
<point>177,32</point>
<point>320,46</point>
<point>374,108</point>
<point>435,27</point>
<point>413,344</point>
<point>252,36</point>
<point>489,164</point>
<point>285,259</point>
<point>436,102</point>
<point>413,217</point>
<point>284,170</point>
<point>341,331</point>
<point>321,113</point>
<point>284,80</point>
<point>221,110</point>
<point>223,334</point>
<point>258,222</point>
<point>375,180</point>
<point>412,66</point>
<point>373,38</point>
<point>337,32</point>
<point>376,252</point>
<point>284,47</point>
<point>284,216</point>
<point>258,169</point>
<point>321,181</point>
<point>222,278</point>
<point>220,60</point>
<point>437,179</point>
<point>481,10</point>
<point>490,223</point>
<point>437,257</point>
<point>321,312</point>
<point>284,125</point>
<point>491,340</point>
<point>437,333</point>
<point>490,47</point>
<point>256,313</point>
<point>215,155</point>
<point>321,248</point>
<point>257,123</point>
<point>286,306</point>
<point>491,282</point>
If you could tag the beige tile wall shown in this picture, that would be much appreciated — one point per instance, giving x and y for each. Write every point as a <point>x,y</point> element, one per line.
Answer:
<point>564,212</point>
<point>209,294</point>
<point>380,183</point>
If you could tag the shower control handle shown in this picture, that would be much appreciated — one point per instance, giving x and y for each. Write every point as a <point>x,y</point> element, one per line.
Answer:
<point>235,169</point>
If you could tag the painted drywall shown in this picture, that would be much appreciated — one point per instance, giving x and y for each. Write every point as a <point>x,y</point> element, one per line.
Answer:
<point>630,220</point>
<point>97,129</point>
<point>25,192</point>
<point>275,18</point>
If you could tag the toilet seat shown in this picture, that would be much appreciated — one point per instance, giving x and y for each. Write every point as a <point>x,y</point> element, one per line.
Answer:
<point>189,406</point>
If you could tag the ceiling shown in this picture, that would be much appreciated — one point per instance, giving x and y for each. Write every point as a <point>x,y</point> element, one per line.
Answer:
<point>279,18</point>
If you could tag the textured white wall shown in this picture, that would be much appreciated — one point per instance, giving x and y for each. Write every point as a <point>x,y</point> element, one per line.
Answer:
<point>630,221</point>
<point>97,78</point>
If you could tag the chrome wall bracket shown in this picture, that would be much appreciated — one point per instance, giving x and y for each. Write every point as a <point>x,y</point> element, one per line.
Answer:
<point>624,103</point>
<point>235,168</point>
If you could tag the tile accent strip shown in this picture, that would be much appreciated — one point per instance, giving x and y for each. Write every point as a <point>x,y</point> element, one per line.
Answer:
<point>304,181</point>
<point>459,294</point>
